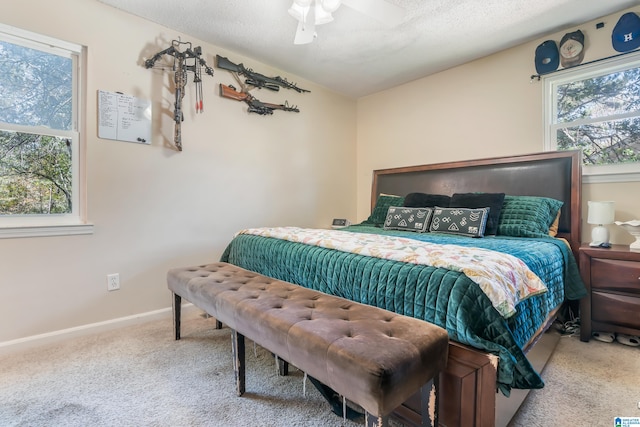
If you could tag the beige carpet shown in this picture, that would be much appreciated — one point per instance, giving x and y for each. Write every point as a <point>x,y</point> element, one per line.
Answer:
<point>140,376</point>
<point>586,384</point>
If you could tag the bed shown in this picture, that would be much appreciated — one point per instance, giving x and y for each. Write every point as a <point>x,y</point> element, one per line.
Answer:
<point>490,336</point>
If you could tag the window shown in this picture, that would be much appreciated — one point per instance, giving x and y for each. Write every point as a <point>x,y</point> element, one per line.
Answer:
<point>596,108</point>
<point>41,189</point>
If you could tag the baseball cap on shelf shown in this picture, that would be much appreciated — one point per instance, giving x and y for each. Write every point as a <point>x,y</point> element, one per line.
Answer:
<point>626,34</point>
<point>572,49</point>
<point>547,58</point>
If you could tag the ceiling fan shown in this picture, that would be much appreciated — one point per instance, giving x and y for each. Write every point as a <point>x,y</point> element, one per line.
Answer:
<point>310,13</point>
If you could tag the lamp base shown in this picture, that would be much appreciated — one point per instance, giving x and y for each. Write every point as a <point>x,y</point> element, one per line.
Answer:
<point>600,236</point>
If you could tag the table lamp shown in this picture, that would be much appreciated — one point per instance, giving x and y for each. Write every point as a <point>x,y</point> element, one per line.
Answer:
<point>600,214</point>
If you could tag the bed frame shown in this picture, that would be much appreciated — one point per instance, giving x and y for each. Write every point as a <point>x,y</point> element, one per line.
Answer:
<point>468,386</point>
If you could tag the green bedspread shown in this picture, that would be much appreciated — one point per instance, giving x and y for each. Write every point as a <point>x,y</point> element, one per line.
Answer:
<point>443,297</point>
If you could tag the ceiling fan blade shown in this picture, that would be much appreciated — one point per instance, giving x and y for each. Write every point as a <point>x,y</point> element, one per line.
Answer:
<point>306,31</point>
<point>381,10</point>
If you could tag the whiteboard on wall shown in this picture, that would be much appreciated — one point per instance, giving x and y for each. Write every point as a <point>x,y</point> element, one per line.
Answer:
<point>124,117</point>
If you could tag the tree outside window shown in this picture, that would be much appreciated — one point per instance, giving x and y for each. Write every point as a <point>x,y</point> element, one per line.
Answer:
<point>39,134</point>
<point>35,174</point>
<point>597,109</point>
<point>35,169</point>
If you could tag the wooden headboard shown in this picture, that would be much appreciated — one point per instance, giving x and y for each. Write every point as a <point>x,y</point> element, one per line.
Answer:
<point>555,174</point>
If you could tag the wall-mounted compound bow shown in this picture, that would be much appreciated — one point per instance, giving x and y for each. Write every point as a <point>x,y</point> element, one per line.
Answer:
<point>185,61</point>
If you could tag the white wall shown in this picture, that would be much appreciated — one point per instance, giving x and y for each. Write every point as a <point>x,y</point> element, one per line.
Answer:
<point>485,108</point>
<point>153,207</point>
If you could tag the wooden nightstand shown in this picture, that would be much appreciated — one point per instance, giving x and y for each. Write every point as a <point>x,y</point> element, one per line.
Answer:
<point>612,278</point>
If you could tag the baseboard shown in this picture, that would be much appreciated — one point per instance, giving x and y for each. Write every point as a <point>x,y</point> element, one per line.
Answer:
<point>91,328</point>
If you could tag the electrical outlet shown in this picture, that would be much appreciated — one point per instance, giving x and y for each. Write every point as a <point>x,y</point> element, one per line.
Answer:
<point>113,282</point>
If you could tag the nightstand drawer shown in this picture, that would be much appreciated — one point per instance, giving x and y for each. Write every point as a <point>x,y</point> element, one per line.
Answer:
<point>615,275</point>
<point>618,309</point>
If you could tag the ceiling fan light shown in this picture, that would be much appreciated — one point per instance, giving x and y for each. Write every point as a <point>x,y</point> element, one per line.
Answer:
<point>330,5</point>
<point>298,12</point>
<point>322,16</point>
<point>303,3</point>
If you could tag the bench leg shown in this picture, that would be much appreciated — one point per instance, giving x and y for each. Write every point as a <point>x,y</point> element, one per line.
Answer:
<point>283,367</point>
<point>218,323</point>
<point>177,305</point>
<point>429,406</point>
<point>238,360</point>
<point>375,421</point>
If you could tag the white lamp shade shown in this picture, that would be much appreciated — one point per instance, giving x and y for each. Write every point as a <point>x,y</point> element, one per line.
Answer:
<point>601,213</point>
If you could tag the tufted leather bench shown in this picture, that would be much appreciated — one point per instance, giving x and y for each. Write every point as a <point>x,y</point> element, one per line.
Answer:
<point>373,357</point>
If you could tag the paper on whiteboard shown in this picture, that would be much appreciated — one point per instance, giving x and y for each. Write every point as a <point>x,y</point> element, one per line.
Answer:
<point>124,117</point>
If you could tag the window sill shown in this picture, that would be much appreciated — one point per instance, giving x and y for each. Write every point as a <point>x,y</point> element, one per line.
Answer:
<point>45,230</point>
<point>610,173</point>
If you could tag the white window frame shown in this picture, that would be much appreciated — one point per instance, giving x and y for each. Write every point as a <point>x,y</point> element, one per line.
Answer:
<point>13,226</point>
<point>550,82</point>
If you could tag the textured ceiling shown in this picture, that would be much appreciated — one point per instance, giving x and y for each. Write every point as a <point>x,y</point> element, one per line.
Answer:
<point>357,55</point>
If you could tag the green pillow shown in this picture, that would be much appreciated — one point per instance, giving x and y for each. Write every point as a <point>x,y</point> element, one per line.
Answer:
<point>379,213</point>
<point>527,216</point>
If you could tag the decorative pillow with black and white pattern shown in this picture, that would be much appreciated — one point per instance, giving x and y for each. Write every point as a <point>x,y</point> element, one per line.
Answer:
<point>460,221</point>
<point>408,219</point>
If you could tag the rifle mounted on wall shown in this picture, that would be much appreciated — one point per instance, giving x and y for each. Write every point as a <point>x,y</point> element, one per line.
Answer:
<point>256,79</point>
<point>185,61</point>
<point>255,106</point>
